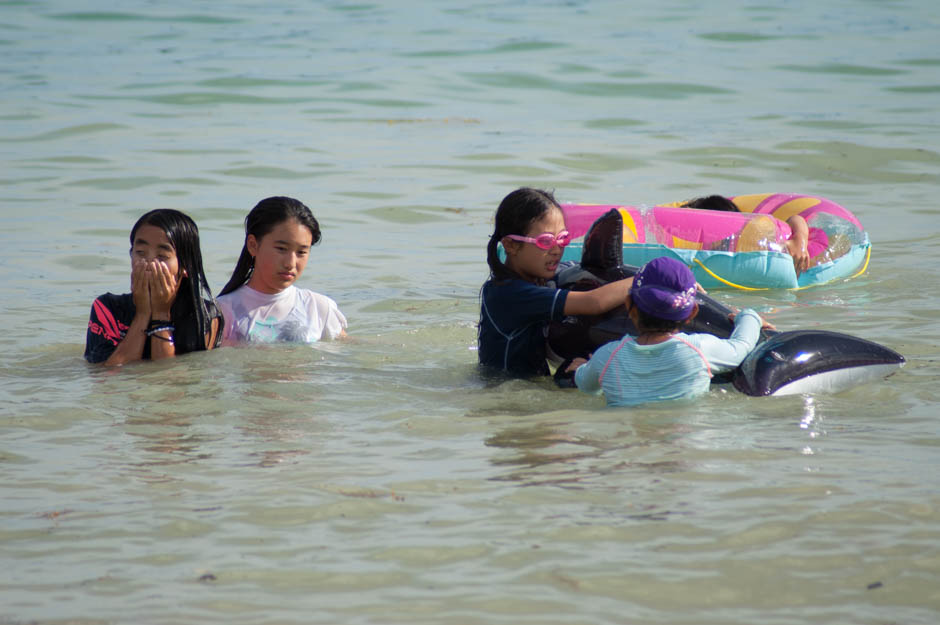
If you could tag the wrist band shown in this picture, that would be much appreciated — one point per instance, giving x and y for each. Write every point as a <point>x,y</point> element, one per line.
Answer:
<point>158,325</point>
<point>157,336</point>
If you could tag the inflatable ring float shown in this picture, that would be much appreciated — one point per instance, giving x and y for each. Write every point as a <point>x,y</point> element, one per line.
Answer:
<point>743,250</point>
<point>783,363</point>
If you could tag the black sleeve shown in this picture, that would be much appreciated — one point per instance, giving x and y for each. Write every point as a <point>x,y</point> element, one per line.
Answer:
<point>107,326</point>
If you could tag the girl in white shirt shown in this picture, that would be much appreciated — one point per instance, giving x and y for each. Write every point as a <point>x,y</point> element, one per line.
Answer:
<point>260,302</point>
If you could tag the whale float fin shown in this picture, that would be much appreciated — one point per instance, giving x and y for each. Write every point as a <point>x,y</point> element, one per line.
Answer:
<point>601,263</point>
<point>603,243</point>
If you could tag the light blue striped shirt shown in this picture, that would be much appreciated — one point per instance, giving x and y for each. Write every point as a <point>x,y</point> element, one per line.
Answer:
<point>629,374</point>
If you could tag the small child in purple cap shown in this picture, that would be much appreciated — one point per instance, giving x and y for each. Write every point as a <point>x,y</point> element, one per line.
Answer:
<point>662,362</point>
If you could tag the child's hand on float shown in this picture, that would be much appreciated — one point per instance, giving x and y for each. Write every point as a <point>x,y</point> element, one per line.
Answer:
<point>796,246</point>
<point>797,249</point>
<point>764,324</point>
<point>575,363</point>
<point>163,288</point>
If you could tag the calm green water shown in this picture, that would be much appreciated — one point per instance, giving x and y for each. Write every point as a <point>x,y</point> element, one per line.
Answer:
<point>381,480</point>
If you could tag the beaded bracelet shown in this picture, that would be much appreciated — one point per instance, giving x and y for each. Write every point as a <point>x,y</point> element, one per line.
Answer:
<point>161,326</point>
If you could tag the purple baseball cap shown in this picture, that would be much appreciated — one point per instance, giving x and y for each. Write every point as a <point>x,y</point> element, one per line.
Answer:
<point>664,288</point>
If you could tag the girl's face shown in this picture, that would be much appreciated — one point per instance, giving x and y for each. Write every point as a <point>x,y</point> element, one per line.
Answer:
<point>151,243</point>
<point>527,259</point>
<point>280,256</point>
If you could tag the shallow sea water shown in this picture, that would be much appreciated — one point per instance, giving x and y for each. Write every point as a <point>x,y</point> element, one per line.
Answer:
<point>381,479</point>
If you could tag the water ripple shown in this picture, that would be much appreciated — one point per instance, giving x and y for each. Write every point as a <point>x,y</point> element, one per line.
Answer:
<point>67,132</point>
<point>108,16</point>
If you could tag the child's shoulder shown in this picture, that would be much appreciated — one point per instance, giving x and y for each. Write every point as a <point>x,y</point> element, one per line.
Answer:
<point>240,293</point>
<point>115,300</point>
<point>605,351</point>
<point>320,310</point>
<point>517,285</point>
<point>307,294</point>
<point>312,299</point>
<point>110,297</point>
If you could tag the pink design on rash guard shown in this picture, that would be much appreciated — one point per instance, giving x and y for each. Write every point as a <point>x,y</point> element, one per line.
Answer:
<point>108,326</point>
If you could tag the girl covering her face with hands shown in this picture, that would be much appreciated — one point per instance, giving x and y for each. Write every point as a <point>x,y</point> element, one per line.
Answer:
<point>170,309</point>
<point>260,302</point>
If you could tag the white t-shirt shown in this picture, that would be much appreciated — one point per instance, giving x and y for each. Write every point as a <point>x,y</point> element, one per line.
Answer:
<point>293,315</point>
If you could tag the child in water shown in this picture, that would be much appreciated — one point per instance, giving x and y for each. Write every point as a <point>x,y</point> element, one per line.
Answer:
<point>662,362</point>
<point>170,309</point>
<point>260,302</point>
<point>520,299</point>
<point>804,244</point>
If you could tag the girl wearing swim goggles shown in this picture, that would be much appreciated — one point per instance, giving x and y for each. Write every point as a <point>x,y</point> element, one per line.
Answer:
<point>519,299</point>
<point>546,240</point>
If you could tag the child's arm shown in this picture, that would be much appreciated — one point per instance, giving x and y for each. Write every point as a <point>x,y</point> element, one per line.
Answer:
<point>131,347</point>
<point>228,320</point>
<point>587,373</point>
<point>213,333</point>
<point>797,245</point>
<point>726,354</point>
<point>163,289</point>
<point>598,301</point>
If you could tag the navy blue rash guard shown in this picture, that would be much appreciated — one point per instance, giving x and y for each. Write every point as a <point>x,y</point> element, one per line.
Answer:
<point>514,315</point>
<point>111,317</point>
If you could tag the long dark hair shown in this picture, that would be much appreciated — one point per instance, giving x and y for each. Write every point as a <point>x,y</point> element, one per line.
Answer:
<point>712,203</point>
<point>194,307</point>
<point>262,219</point>
<point>515,215</point>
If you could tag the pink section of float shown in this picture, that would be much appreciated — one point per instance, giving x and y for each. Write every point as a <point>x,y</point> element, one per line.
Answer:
<point>760,226</point>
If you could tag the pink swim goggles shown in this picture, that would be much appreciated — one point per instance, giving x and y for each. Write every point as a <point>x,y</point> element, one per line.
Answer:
<point>546,240</point>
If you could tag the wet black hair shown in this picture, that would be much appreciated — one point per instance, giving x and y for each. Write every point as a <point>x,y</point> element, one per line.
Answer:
<point>712,203</point>
<point>194,308</point>
<point>647,322</point>
<point>262,219</point>
<point>515,215</point>
<point>651,323</point>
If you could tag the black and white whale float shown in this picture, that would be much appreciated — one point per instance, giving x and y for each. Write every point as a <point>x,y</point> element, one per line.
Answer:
<point>783,363</point>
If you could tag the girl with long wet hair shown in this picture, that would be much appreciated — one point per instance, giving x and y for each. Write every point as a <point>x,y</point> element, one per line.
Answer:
<point>260,302</point>
<point>520,298</point>
<point>170,309</point>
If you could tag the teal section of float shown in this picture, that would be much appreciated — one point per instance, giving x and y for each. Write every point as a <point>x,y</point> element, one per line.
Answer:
<point>748,270</point>
<point>740,250</point>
